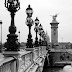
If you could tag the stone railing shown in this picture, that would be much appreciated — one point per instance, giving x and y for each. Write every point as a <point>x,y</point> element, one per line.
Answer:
<point>28,60</point>
<point>8,64</point>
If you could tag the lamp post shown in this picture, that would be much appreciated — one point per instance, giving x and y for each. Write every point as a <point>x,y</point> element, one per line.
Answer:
<point>12,43</point>
<point>29,23</point>
<point>40,39</point>
<point>40,30</point>
<point>36,30</point>
<point>1,36</point>
<point>19,36</point>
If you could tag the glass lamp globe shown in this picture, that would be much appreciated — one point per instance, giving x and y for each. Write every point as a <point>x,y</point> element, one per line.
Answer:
<point>36,21</point>
<point>29,11</point>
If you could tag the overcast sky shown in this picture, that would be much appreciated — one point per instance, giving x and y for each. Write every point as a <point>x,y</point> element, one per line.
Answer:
<point>42,9</point>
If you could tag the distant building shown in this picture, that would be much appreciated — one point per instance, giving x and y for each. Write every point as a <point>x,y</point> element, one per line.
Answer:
<point>62,45</point>
<point>65,45</point>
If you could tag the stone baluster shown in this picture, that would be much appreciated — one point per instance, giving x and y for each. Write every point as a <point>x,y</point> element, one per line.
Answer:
<point>13,66</point>
<point>31,56</point>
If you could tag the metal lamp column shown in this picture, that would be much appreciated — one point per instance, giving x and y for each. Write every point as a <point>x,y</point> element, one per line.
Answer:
<point>1,36</point>
<point>29,23</point>
<point>40,29</point>
<point>12,43</point>
<point>36,30</point>
<point>19,36</point>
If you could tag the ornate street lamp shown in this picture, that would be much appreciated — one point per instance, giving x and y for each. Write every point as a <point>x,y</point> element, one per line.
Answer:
<point>40,30</point>
<point>1,37</point>
<point>36,30</point>
<point>19,36</point>
<point>29,23</point>
<point>12,43</point>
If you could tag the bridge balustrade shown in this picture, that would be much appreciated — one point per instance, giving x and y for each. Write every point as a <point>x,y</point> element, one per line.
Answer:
<point>27,60</point>
<point>8,64</point>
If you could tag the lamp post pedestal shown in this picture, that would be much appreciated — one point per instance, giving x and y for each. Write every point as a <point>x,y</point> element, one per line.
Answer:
<point>40,42</point>
<point>36,43</point>
<point>36,40</point>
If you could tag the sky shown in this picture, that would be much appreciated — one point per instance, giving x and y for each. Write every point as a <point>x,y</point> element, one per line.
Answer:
<point>43,9</point>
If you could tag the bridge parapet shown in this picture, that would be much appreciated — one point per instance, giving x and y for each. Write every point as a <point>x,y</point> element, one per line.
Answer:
<point>39,60</point>
<point>28,60</point>
<point>7,64</point>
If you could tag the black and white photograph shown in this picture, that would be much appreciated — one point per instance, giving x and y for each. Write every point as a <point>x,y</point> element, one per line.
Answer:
<point>35,35</point>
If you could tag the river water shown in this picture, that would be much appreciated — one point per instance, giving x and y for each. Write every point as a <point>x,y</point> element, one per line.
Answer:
<point>53,69</point>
